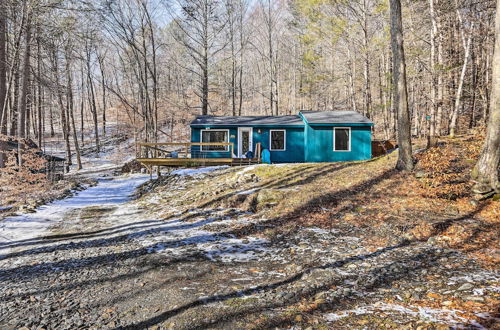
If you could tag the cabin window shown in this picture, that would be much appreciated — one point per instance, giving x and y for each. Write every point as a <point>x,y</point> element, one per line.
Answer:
<point>341,139</point>
<point>214,136</point>
<point>278,140</point>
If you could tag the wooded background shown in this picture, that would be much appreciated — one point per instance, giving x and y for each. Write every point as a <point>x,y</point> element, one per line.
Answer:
<point>82,70</point>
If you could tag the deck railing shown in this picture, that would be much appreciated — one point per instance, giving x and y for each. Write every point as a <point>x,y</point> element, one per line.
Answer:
<point>164,150</point>
<point>191,154</point>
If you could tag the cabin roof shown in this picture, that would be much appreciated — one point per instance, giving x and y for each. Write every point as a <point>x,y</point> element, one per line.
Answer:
<point>248,121</point>
<point>334,117</point>
<point>310,117</point>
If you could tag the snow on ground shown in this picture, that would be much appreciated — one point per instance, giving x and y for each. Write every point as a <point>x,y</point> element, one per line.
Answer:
<point>180,238</point>
<point>197,171</point>
<point>111,157</point>
<point>107,192</point>
<point>115,151</point>
<point>248,192</point>
<point>447,316</point>
<point>249,168</point>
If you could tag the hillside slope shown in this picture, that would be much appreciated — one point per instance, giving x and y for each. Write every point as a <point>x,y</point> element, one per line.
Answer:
<point>426,222</point>
<point>433,203</point>
<point>344,245</point>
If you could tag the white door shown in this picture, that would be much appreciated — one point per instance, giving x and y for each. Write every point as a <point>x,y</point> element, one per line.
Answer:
<point>245,140</point>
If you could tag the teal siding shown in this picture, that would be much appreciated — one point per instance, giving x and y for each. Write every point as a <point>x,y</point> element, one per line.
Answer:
<point>294,149</point>
<point>196,150</point>
<point>319,144</point>
<point>294,152</point>
<point>303,144</point>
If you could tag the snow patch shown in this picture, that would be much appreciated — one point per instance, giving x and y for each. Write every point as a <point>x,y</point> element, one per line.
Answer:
<point>321,231</point>
<point>248,192</point>
<point>449,316</point>
<point>108,192</point>
<point>249,168</point>
<point>197,171</point>
<point>182,238</point>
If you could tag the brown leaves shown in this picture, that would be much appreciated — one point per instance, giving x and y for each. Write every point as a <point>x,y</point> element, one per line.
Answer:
<point>18,183</point>
<point>447,167</point>
<point>422,231</point>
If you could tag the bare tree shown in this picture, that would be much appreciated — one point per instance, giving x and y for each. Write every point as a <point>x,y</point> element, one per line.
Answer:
<point>270,19</point>
<point>23,100</point>
<point>3,68</point>
<point>70,104</point>
<point>485,172</point>
<point>100,60</point>
<point>405,159</point>
<point>466,44</point>
<point>198,30</point>
<point>434,87</point>
<point>91,93</point>
<point>3,75</point>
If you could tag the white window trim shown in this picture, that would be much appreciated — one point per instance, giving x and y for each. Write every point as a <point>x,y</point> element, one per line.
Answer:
<point>350,139</point>
<point>226,148</point>
<point>271,139</point>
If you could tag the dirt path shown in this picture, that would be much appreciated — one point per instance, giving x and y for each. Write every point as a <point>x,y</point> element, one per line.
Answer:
<point>119,265</point>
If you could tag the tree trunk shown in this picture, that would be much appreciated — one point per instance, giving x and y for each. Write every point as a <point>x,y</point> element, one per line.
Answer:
<point>39,90</point>
<point>352,76</point>
<point>3,71</point>
<point>70,102</point>
<point>472,121</point>
<point>51,117</point>
<point>23,100</point>
<point>64,120</point>
<point>3,79</point>
<point>368,92</point>
<point>103,91</point>
<point>485,173</point>
<point>454,116</point>
<point>92,102</point>
<point>204,89</point>
<point>231,31</point>
<point>204,83</point>
<point>242,45</point>
<point>405,158</point>
<point>486,108</point>
<point>13,83</point>
<point>434,87</point>
<point>82,105</point>
<point>439,74</point>
<point>14,104</point>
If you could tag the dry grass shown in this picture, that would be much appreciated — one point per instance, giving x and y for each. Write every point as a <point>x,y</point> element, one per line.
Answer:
<point>370,197</point>
<point>391,204</point>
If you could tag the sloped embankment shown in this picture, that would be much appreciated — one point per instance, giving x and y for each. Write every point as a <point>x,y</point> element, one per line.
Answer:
<point>434,203</point>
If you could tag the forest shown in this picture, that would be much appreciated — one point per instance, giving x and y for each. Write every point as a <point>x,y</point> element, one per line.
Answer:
<point>67,67</point>
<point>407,238</point>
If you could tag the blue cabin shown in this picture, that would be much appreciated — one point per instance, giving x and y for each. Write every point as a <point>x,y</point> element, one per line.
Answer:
<point>310,136</point>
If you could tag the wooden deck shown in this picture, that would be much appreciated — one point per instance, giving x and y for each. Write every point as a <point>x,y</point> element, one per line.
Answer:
<point>183,154</point>
<point>192,162</point>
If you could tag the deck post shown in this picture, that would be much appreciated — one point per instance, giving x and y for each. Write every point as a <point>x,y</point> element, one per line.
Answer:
<point>150,170</point>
